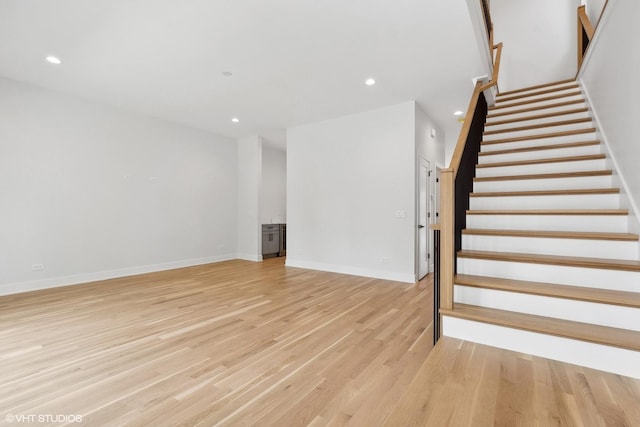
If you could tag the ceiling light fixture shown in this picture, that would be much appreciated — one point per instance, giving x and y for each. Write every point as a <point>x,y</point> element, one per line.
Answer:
<point>370,82</point>
<point>458,113</point>
<point>235,120</point>
<point>54,60</point>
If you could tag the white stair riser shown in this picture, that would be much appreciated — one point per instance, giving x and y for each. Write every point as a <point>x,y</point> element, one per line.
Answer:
<point>533,96</point>
<point>609,249</point>
<point>537,131</point>
<point>499,116</point>
<point>596,356</point>
<point>604,181</point>
<point>539,168</point>
<point>539,142</point>
<point>602,223</point>
<point>581,201</point>
<point>509,106</point>
<point>563,275</point>
<point>540,154</point>
<point>532,122</point>
<point>566,85</point>
<point>559,308</point>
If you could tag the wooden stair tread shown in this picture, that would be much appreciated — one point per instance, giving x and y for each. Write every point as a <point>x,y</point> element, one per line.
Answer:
<point>533,101</point>
<point>552,234</point>
<point>538,117</point>
<point>540,136</point>
<point>582,174</point>
<point>512,97</point>
<point>559,82</point>
<point>540,148</point>
<point>616,337</point>
<point>537,108</point>
<point>575,192</point>
<point>586,157</point>
<point>608,212</point>
<point>554,290</point>
<point>568,261</point>
<point>540,126</point>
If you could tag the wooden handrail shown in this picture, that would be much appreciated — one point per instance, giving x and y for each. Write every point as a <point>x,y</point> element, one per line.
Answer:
<point>585,22</point>
<point>464,132</point>
<point>448,189</point>
<point>585,30</point>
<point>496,69</point>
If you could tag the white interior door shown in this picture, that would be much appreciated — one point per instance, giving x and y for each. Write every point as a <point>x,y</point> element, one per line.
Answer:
<point>423,219</point>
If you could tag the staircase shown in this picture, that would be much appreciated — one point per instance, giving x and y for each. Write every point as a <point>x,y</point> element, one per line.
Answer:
<point>548,266</point>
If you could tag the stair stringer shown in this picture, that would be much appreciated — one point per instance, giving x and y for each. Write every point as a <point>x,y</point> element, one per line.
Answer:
<point>627,201</point>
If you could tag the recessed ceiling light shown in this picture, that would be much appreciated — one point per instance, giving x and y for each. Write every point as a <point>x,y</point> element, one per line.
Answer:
<point>227,73</point>
<point>458,113</point>
<point>370,82</point>
<point>54,60</point>
<point>235,120</point>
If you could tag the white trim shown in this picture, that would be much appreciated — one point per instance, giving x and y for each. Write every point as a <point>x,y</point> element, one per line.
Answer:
<point>605,358</point>
<point>354,271</point>
<point>250,257</point>
<point>76,279</point>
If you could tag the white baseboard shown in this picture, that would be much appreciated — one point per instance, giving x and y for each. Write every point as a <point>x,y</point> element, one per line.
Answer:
<point>54,282</point>
<point>249,257</point>
<point>354,271</point>
<point>604,358</point>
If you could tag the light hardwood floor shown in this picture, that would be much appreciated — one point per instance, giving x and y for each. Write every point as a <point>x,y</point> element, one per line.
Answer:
<point>233,343</point>
<point>468,384</point>
<point>258,344</point>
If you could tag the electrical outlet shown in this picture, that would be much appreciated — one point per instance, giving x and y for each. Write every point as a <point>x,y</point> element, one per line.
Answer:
<point>37,267</point>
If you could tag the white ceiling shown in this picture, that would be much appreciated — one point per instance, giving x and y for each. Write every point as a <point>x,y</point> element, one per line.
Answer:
<point>293,61</point>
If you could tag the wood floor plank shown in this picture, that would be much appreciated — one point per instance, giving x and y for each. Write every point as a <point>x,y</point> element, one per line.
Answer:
<point>571,261</point>
<point>579,293</point>
<point>500,105</point>
<point>585,235</point>
<point>503,98</point>
<point>608,212</point>
<point>468,384</point>
<point>538,148</point>
<point>580,174</point>
<point>524,89</point>
<point>605,335</point>
<point>537,117</point>
<point>491,114</point>
<point>538,136</point>
<point>237,343</point>
<point>232,343</point>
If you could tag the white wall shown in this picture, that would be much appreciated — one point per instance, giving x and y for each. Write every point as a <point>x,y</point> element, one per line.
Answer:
<point>539,41</point>
<point>594,9</point>
<point>249,188</point>
<point>609,78</point>
<point>93,192</point>
<point>351,194</point>
<point>430,148</point>
<point>273,197</point>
